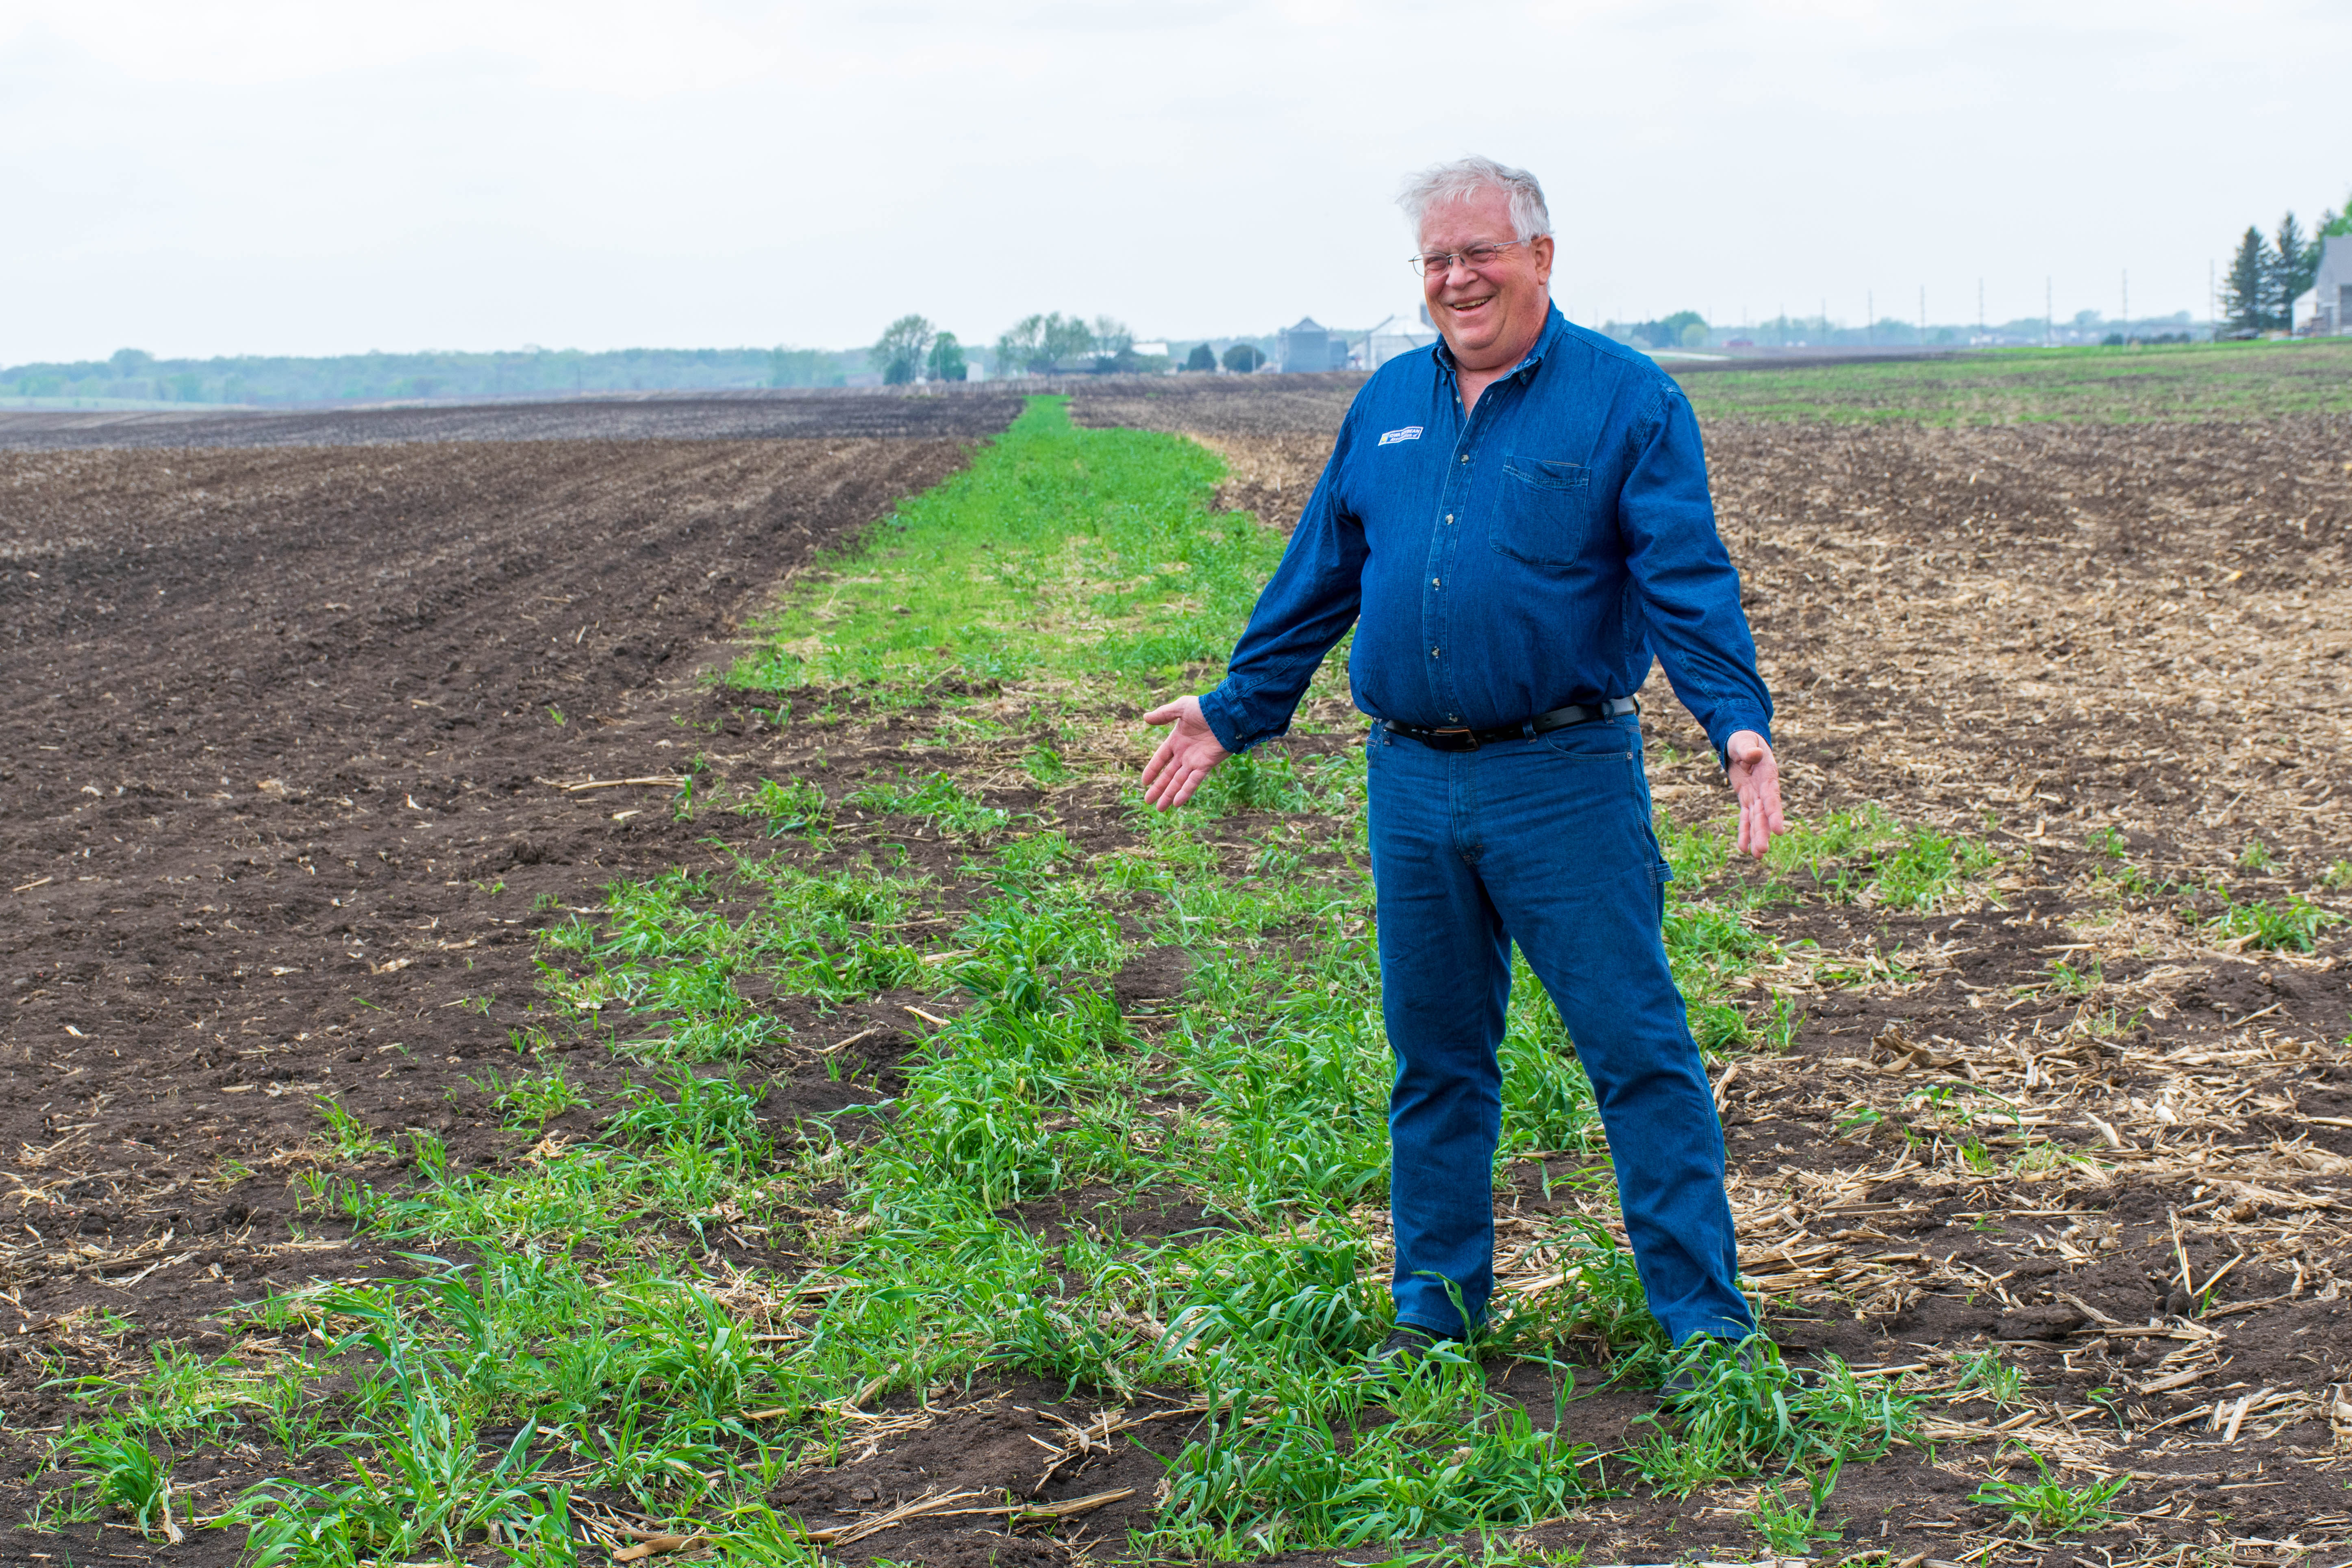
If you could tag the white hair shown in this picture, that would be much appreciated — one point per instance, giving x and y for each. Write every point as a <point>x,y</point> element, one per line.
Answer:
<point>1442,182</point>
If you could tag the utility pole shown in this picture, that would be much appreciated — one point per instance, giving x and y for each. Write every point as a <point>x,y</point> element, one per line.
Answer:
<point>1869,308</point>
<point>1981,320</point>
<point>1923,315</point>
<point>2049,317</point>
<point>2127,305</point>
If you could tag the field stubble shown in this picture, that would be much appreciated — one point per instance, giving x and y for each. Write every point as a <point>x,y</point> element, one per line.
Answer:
<point>2117,655</point>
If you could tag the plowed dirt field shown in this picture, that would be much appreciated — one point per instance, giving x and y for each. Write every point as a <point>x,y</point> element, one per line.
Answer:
<point>275,720</point>
<point>676,416</point>
<point>282,815</point>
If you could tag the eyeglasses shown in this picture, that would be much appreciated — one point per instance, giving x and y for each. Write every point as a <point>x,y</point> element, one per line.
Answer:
<point>1431,263</point>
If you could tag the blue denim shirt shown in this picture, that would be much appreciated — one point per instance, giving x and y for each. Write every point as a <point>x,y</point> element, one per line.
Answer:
<point>1531,556</point>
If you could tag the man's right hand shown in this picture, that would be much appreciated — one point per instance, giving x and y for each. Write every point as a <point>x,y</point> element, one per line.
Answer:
<point>1189,754</point>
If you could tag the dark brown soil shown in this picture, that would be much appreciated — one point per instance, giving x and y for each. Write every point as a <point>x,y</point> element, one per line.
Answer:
<point>672,416</point>
<point>274,823</point>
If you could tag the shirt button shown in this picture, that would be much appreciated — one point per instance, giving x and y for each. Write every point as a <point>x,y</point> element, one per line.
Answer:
<point>1436,583</point>
<point>1465,456</point>
<point>1449,516</point>
<point>1433,653</point>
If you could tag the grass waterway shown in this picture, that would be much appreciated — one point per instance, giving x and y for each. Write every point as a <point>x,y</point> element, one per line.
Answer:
<point>564,1351</point>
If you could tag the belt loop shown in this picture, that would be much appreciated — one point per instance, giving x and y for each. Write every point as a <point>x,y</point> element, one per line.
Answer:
<point>1528,729</point>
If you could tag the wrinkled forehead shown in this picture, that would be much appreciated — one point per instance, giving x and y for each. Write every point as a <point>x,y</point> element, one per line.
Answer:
<point>1483,215</point>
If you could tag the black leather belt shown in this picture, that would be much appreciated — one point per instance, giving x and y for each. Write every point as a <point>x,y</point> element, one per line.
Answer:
<point>1467,739</point>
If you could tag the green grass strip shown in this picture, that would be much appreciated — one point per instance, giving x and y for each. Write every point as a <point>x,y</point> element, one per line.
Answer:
<point>1061,553</point>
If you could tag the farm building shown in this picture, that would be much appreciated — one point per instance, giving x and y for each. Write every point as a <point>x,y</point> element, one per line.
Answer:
<point>1393,339</point>
<point>2331,297</point>
<point>1309,345</point>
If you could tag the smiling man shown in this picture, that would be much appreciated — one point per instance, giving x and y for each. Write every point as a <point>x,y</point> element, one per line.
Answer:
<point>1515,523</point>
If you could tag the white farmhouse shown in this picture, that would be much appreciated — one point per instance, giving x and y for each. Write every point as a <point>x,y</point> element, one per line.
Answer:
<point>2331,294</point>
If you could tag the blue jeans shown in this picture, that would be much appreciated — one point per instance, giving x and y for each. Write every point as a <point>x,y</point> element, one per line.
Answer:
<point>1545,841</point>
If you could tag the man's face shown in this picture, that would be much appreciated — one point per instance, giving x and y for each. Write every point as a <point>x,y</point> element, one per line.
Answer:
<point>1491,317</point>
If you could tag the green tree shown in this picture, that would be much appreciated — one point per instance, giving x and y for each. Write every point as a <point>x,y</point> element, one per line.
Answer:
<point>2333,223</point>
<point>1670,331</point>
<point>2246,287</point>
<point>2297,265</point>
<point>1202,357</point>
<point>1068,340</point>
<point>946,361</point>
<point>1021,348</point>
<point>898,354</point>
<point>1038,345</point>
<point>1244,357</point>
<point>1114,345</point>
<point>1674,331</point>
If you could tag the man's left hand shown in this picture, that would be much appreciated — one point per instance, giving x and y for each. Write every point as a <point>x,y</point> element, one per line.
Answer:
<point>1756,779</point>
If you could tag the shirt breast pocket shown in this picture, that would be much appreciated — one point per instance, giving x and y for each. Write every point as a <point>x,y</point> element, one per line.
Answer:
<point>1542,514</point>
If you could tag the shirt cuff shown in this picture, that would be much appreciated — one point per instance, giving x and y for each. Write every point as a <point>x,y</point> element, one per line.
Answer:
<point>1734,724</point>
<point>1226,721</point>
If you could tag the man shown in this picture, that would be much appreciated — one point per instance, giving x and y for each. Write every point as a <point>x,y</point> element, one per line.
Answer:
<point>1515,521</point>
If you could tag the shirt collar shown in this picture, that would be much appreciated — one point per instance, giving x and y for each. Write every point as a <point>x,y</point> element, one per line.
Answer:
<point>1554,325</point>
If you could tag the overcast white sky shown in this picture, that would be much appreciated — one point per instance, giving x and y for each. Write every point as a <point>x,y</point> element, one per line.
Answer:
<point>198,177</point>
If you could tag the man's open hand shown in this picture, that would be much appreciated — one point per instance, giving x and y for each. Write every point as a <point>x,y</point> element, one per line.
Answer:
<point>1189,754</point>
<point>1756,779</point>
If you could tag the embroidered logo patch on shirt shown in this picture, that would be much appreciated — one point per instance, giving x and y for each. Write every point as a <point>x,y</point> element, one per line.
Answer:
<point>1410,432</point>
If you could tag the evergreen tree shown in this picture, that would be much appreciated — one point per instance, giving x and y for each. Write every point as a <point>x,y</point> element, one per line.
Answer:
<point>1202,357</point>
<point>2246,287</point>
<point>1244,358</point>
<point>2296,266</point>
<point>2332,223</point>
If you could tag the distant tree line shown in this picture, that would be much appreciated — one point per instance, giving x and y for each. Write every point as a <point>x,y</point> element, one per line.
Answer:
<point>1046,345</point>
<point>383,377</point>
<point>2269,273</point>
<point>1241,358</point>
<point>1683,330</point>
<point>911,349</point>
